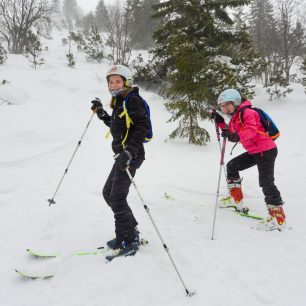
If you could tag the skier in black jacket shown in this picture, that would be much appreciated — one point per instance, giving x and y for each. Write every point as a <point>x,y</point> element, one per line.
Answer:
<point>129,153</point>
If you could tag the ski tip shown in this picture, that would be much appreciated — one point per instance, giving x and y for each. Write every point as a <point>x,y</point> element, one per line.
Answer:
<point>42,255</point>
<point>168,197</point>
<point>33,277</point>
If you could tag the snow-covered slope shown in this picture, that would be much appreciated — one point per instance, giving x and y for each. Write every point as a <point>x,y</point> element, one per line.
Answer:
<point>38,134</point>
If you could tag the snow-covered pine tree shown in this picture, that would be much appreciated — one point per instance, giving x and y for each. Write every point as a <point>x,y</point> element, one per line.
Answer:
<point>33,50</point>
<point>93,45</point>
<point>246,62</point>
<point>3,55</point>
<point>278,86</point>
<point>150,74</point>
<point>192,42</point>
<point>78,39</point>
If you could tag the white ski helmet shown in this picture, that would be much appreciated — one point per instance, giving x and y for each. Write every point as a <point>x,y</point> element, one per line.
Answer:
<point>123,71</point>
<point>230,95</point>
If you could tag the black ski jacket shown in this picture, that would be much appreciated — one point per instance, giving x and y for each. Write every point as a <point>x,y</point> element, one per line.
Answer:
<point>137,131</point>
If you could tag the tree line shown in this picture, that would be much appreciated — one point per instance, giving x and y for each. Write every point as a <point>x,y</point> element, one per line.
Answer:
<point>197,48</point>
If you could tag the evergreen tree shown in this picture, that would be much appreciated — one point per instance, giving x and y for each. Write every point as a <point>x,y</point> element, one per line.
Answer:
<point>150,74</point>
<point>33,50</point>
<point>194,42</point>
<point>101,16</point>
<point>134,15</point>
<point>278,86</point>
<point>239,18</point>
<point>246,62</point>
<point>3,55</point>
<point>93,45</point>
<point>78,39</point>
<point>149,24</point>
<point>140,13</point>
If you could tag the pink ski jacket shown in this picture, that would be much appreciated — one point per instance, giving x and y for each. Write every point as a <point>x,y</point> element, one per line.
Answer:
<point>252,134</point>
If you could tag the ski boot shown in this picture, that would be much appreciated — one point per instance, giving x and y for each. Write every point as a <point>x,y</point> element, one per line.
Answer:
<point>126,249</point>
<point>115,243</point>
<point>235,199</point>
<point>275,221</point>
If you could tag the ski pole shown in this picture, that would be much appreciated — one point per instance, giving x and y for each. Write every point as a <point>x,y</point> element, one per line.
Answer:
<point>188,293</point>
<point>219,139</point>
<point>218,188</point>
<point>51,201</point>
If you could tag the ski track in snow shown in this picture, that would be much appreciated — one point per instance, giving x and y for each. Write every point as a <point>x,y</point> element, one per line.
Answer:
<point>39,133</point>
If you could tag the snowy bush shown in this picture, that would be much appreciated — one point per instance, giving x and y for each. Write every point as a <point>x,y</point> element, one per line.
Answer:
<point>69,55</point>
<point>3,55</point>
<point>90,42</point>
<point>33,50</point>
<point>93,45</point>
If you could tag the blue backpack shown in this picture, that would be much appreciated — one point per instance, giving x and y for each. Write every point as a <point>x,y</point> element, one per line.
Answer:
<point>266,121</point>
<point>149,135</point>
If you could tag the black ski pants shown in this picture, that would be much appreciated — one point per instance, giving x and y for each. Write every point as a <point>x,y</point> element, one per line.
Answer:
<point>115,193</point>
<point>265,163</point>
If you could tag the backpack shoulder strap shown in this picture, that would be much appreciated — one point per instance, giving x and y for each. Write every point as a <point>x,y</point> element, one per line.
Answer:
<point>125,113</point>
<point>240,115</point>
<point>256,110</point>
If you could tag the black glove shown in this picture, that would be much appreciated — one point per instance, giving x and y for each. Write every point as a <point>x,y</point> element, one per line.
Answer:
<point>225,132</point>
<point>217,117</point>
<point>96,105</point>
<point>124,159</point>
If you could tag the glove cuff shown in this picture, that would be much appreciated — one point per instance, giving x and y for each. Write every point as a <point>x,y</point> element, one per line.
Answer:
<point>101,113</point>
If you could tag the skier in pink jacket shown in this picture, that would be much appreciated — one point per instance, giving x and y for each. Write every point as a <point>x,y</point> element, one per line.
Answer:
<point>261,151</point>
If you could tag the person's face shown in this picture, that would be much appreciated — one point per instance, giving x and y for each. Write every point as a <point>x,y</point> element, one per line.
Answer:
<point>227,108</point>
<point>115,82</point>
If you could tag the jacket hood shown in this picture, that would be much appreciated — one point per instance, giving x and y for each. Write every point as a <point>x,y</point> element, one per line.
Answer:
<point>245,103</point>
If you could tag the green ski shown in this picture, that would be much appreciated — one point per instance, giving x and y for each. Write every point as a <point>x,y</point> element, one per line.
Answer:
<point>32,276</point>
<point>248,215</point>
<point>40,254</point>
<point>242,213</point>
<point>98,251</point>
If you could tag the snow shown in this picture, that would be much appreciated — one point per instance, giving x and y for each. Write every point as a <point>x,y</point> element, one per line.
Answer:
<point>38,135</point>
